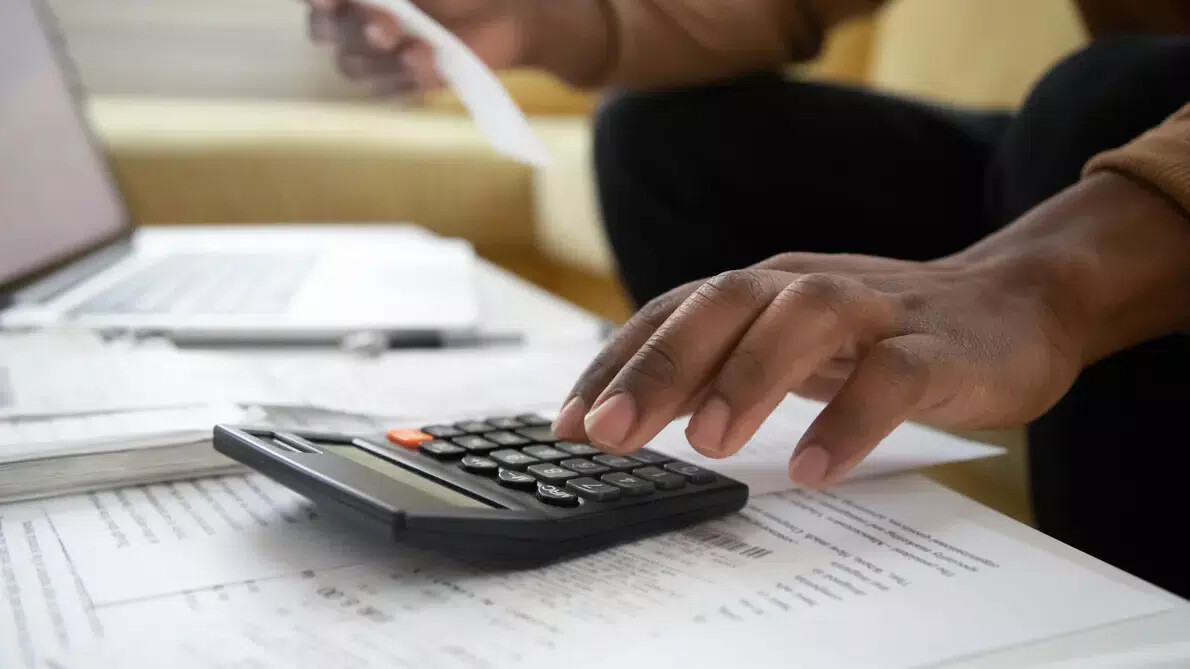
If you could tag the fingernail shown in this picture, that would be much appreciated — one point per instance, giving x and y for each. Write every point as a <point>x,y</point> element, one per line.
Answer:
<point>708,426</point>
<point>809,466</point>
<point>379,37</point>
<point>608,424</point>
<point>570,417</point>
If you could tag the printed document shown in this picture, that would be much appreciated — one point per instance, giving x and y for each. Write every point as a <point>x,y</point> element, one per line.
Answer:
<point>490,105</point>
<point>896,572</point>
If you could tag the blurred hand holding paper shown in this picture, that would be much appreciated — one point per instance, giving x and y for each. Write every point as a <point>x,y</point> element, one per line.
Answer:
<point>490,105</point>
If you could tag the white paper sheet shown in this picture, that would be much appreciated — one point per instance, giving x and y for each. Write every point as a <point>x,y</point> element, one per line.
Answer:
<point>890,573</point>
<point>490,105</point>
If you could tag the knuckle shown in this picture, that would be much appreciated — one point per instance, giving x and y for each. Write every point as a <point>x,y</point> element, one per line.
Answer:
<point>901,365</point>
<point>745,372</point>
<point>826,289</point>
<point>656,364</point>
<point>742,285</point>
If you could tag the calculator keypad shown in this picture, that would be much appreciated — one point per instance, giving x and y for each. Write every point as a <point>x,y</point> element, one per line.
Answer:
<point>511,459</point>
<point>584,467</point>
<point>596,491</point>
<point>506,438</point>
<point>523,454</point>
<point>577,450</point>
<point>632,486</point>
<point>555,496</point>
<point>551,473</point>
<point>475,444</point>
<point>547,453</point>
<point>477,464</point>
<point>443,450</point>
<point>516,480</point>
<point>616,462</point>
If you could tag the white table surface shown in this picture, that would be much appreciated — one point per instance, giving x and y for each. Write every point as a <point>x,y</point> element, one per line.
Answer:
<point>512,306</point>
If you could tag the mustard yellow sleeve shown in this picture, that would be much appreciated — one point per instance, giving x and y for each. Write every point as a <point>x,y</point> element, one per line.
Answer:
<point>1160,157</point>
<point>665,43</point>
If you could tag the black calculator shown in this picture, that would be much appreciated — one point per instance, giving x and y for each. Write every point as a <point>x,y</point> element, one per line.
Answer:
<point>503,491</point>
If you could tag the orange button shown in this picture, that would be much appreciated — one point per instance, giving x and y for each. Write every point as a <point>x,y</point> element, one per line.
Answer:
<point>410,439</point>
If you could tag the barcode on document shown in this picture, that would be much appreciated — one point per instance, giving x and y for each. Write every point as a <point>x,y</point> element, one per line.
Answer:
<point>726,542</point>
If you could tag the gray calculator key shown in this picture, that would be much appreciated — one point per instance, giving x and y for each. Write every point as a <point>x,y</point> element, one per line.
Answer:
<point>662,479</point>
<point>551,473</point>
<point>584,467</point>
<point>632,486</point>
<point>616,462</point>
<point>693,473</point>
<point>541,434</point>
<point>547,453</point>
<point>594,490</point>
<point>443,450</point>
<point>646,457</point>
<point>578,450</point>
<point>474,427</point>
<point>477,464</point>
<point>533,420</point>
<point>504,423</point>
<point>555,496</point>
<point>517,480</point>
<point>513,459</point>
<point>442,431</point>
<point>506,438</point>
<point>475,443</point>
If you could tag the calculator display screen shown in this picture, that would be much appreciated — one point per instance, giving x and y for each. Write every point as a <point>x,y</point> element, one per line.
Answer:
<point>437,491</point>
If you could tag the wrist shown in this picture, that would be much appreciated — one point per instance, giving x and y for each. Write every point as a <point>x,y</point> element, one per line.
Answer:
<point>572,39</point>
<point>1108,261</point>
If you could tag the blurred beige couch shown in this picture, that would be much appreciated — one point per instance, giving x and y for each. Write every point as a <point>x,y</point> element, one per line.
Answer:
<point>231,159</point>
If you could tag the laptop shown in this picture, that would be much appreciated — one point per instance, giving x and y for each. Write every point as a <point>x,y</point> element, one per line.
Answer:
<point>71,255</point>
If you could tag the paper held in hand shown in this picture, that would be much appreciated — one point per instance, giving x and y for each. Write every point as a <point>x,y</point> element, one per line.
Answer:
<point>493,109</point>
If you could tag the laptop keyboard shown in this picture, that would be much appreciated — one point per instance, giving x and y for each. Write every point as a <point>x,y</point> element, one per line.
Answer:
<point>207,283</point>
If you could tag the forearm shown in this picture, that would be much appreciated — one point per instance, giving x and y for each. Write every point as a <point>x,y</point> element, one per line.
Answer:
<point>667,43</point>
<point>1111,256</point>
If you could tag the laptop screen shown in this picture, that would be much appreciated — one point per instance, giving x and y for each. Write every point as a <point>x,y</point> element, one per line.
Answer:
<point>56,196</point>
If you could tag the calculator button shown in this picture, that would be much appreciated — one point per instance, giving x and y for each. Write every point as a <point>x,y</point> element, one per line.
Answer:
<point>504,423</point>
<point>410,439</point>
<point>553,495</point>
<point>662,479</point>
<point>505,438</point>
<point>477,464</point>
<point>443,450</point>
<point>474,427</point>
<point>650,457</point>
<point>513,459</point>
<point>475,444</point>
<point>616,462</point>
<point>533,420</point>
<point>594,490</point>
<point>579,450</point>
<point>546,453</point>
<point>518,480</point>
<point>584,467</point>
<point>693,473</point>
<point>541,434</point>
<point>632,486</point>
<point>442,431</point>
<point>551,473</point>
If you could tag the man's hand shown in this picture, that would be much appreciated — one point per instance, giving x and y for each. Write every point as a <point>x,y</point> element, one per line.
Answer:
<point>372,47</point>
<point>990,337</point>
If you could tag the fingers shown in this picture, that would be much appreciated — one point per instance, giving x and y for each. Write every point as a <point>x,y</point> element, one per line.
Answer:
<point>801,331</point>
<point>626,342</point>
<point>371,46</point>
<point>893,380</point>
<point>677,360</point>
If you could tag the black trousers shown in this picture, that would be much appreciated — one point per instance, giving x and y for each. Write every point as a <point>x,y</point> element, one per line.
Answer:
<point>700,181</point>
